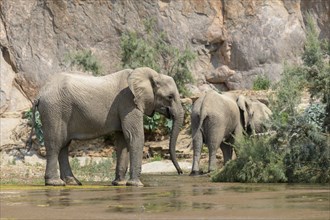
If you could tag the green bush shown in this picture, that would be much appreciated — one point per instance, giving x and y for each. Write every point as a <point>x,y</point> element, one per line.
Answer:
<point>157,157</point>
<point>307,156</point>
<point>257,162</point>
<point>317,69</point>
<point>156,126</point>
<point>37,126</point>
<point>301,134</point>
<point>315,114</point>
<point>152,49</point>
<point>299,150</point>
<point>93,171</point>
<point>261,83</point>
<point>138,52</point>
<point>86,60</point>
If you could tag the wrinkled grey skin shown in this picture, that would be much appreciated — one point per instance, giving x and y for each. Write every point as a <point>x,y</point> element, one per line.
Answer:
<point>216,120</point>
<point>260,113</point>
<point>79,107</point>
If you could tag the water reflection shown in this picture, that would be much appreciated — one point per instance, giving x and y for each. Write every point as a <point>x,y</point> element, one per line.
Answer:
<point>170,197</point>
<point>58,198</point>
<point>197,191</point>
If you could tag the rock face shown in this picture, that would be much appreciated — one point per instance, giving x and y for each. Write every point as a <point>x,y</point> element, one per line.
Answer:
<point>234,40</point>
<point>264,35</point>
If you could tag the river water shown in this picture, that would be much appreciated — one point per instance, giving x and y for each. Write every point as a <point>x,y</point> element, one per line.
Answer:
<point>167,197</point>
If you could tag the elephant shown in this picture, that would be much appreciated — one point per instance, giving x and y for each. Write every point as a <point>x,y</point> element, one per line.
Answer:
<point>216,120</point>
<point>80,107</point>
<point>260,113</point>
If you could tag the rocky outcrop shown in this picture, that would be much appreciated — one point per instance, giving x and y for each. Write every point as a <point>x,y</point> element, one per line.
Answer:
<point>246,37</point>
<point>234,40</point>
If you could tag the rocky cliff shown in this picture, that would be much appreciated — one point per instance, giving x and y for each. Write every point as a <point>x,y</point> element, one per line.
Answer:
<point>235,40</point>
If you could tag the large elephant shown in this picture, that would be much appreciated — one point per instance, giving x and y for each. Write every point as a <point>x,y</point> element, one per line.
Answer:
<point>74,106</point>
<point>216,120</point>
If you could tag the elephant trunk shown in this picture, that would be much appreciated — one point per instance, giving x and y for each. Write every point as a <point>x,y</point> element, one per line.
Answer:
<point>177,114</point>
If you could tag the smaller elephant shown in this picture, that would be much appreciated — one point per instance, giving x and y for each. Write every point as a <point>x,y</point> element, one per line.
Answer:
<point>216,120</point>
<point>260,113</point>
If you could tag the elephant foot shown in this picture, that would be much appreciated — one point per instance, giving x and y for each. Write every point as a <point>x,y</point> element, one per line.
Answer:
<point>119,183</point>
<point>71,180</point>
<point>54,182</point>
<point>196,173</point>
<point>134,182</point>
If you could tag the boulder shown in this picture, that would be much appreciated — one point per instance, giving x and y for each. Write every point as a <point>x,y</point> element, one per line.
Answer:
<point>220,75</point>
<point>164,166</point>
<point>249,36</point>
<point>12,98</point>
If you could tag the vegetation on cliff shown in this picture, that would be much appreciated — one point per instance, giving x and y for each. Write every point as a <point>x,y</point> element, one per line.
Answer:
<point>299,149</point>
<point>151,48</point>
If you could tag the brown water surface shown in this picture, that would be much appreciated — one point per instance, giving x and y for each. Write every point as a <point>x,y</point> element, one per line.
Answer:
<point>167,197</point>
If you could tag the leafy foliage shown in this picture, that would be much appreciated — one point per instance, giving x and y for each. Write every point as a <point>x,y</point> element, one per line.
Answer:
<point>256,162</point>
<point>86,60</point>
<point>261,83</point>
<point>317,72</point>
<point>37,126</point>
<point>299,150</point>
<point>137,52</point>
<point>307,158</point>
<point>152,49</point>
<point>157,126</point>
<point>315,114</point>
<point>93,169</point>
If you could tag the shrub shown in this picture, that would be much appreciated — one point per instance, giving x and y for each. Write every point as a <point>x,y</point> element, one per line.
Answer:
<point>307,157</point>
<point>156,157</point>
<point>317,68</point>
<point>256,161</point>
<point>315,114</point>
<point>86,60</point>
<point>299,149</point>
<point>151,49</point>
<point>300,134</point>
<point>93,171</point>
<point>156,126</point>
<point>138,52</point>
<point>37,126</point>
<point>261,83</point>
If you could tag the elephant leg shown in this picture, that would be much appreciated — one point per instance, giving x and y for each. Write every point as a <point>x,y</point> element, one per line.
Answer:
<point>227,149</point>
<point>136,155</point>
<point>134,135</point>
<point>197,148</point>
<point>212,156</point>
<point>51,175</point>
<point>122,160</point>
<point>65,168</point>
<point>214,139</point>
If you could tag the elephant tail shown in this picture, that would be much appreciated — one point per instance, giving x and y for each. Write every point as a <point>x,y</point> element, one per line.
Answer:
<point>202,116</point>
<point>34,108</point>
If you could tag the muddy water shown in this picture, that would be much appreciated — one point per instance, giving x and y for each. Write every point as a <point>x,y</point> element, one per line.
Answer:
<point>167,197</point>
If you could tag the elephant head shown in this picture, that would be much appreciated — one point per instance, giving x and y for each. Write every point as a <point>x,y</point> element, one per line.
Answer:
<point>246,112</point>
<point>157,92</point>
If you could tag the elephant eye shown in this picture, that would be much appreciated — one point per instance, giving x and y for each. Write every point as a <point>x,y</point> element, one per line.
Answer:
<point>170,97</point>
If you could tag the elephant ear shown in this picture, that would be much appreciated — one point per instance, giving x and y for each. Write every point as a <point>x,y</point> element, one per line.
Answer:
<point>245,106</point>
<point>142,82</point>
